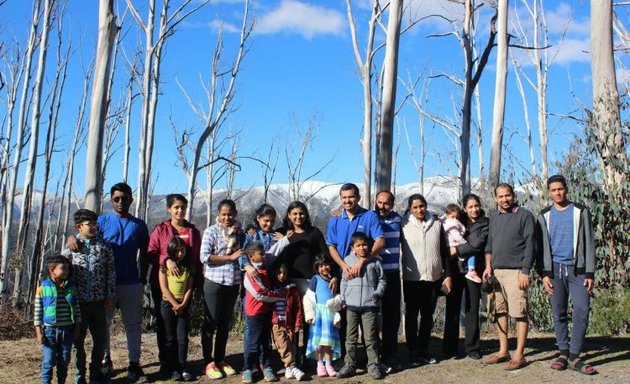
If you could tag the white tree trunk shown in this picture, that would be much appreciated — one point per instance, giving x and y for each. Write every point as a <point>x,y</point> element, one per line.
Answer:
<point>107,31</point>
<point>388,107</point>
<point>498,115</point>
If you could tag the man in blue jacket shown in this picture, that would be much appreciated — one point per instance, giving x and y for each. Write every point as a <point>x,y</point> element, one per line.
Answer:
<point>568,250</point>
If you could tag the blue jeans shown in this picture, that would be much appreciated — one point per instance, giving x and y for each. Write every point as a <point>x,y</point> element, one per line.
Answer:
<point>258,346</point>
<point>56,349</point>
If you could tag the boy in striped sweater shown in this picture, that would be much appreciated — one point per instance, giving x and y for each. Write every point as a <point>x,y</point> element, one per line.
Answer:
<point>57,318</point>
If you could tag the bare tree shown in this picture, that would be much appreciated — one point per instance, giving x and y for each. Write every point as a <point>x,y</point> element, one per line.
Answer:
<point>99,105</point>
<point>499,94</point>
<point>269,166</point>
<point>388,107</point>
<point>606,116</point>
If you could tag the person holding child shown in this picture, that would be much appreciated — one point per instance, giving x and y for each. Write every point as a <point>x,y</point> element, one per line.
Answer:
<point>361,297</point>
<point>57,319</point>
<point>455,232</point>
<point>92,269</point>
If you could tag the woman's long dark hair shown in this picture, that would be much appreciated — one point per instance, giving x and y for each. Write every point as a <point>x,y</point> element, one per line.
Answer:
<point>471,196</point>
<point>288,225</point>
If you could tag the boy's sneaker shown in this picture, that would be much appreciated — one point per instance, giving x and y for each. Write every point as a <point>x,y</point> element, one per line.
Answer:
<point>186,376</point>
<point>268,375</point>
<point>226,368</point>
<point>374,372</point>
<point>248,376</point>
<point>176,376</point>
<point>107,368</point>
<point>473,276</point>
<point>347,370</point>
<point>297,373</point>
<point>135,373</point>
<point>213,372</point>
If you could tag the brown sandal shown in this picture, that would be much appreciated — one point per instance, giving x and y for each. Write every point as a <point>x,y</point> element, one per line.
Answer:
<point>560,364</point>
<point>579,366</point>
<point>495,358</point>
<point>513,364</point>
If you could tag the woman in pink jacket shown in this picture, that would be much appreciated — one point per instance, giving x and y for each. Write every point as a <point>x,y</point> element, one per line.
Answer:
<point>176,206</point>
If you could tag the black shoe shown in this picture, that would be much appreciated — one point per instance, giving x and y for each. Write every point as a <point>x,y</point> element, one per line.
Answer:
<point>346,371</point>
<point>475,355</point>
<point>107,368</point>
<point>426,359</point>
<point>135,373</point>
<point>374,372</point>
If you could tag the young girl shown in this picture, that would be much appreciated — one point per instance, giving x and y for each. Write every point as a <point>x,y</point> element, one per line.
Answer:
<point>176,296</point>
<point>323,338</point>
<point>265,218</point>
<point>455,231</point>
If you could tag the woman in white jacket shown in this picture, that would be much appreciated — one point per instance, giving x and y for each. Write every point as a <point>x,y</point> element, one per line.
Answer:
<point>425,269</point>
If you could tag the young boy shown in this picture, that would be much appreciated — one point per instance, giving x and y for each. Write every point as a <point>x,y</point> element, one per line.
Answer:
<point>258,309</point>
<point>57,318</point>
<point>361,296</point>
<point>94,273</point>
<point>287,321</point>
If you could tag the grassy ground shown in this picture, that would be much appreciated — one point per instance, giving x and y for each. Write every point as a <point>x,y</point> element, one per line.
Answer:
<point>20,360</point>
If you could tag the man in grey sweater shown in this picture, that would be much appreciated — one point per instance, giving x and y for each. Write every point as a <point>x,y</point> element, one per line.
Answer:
<point>509,257</point>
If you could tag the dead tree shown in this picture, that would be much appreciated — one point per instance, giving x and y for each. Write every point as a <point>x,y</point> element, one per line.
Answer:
<point>99,105</point>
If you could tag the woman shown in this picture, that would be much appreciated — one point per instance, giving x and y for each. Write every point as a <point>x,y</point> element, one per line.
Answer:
<point>424,260</point>
<point>476,236</point>
<point>176,206</point>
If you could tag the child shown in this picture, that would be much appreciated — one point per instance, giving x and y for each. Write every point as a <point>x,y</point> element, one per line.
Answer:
<point>265,218</point>
<point>455,231</point>
<point>94,273</point>
<point>361,296</point>
<point>258,310</point>
<point>287,321</point>
<point>57,319</point>
<point>176,295</point>
<point>323,339</point>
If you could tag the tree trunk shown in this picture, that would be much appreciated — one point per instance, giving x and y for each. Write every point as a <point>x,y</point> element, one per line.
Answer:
<point>99,105</point>
<point>390,80</point>
<point>499,95</point>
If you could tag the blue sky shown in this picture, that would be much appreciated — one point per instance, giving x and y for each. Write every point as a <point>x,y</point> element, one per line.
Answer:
<point>301,63</point>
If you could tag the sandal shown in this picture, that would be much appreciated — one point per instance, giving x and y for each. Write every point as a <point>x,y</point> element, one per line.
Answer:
<point>579,366</point>
<point>495,358</point>
<point>514,364</point>
<point>560,364</point>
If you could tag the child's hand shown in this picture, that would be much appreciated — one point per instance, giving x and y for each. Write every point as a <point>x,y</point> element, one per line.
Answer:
<point>39,336</point>
<point>279,235</point>
<point>251,271</point>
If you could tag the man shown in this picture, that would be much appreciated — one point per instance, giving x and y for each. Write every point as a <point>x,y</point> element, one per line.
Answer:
<point>353,218</point>
<point>509,256</point>
<point>390,260</point>
<point>128,236</point>
<point>568,248</point>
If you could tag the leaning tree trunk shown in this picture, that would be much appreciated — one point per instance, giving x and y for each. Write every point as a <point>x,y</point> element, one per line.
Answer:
<point>98,105</point>
<point>390,79</point>
<point>499,95</point>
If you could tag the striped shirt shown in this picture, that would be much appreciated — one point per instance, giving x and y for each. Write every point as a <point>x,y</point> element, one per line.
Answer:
<point>215,243</point>
<point>390,254</point>
<point>561,234</point>
<point>63,313</point>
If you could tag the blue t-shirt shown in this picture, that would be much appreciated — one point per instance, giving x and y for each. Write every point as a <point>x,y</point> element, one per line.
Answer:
<point>561,234</point>
<point>341,228</point>
<point>319,285</point>
<point>126,236</point>
<point>390,254</point>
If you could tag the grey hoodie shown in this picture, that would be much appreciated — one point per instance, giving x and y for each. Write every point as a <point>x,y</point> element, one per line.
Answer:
<point>358,292</point>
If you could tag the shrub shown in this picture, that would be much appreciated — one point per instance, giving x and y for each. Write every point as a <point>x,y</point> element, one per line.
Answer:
<point>610,312</point>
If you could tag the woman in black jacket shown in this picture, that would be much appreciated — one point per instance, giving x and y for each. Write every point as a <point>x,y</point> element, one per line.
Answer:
<point>476,235</point>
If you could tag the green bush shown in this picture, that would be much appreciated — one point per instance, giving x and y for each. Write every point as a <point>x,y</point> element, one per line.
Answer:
<point>610,312</point>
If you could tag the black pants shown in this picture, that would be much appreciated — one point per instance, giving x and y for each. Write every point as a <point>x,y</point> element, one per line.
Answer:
<point>219,303</point>
<point>391,315</point>
<point>176,328</point>
<point>156,295</point>
<point>420,298</point>
<point>471,293</point>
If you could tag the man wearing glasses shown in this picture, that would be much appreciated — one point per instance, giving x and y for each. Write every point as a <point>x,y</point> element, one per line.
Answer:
<point>128,237</point>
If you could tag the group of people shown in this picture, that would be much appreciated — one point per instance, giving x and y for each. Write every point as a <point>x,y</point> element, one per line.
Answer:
<point>294,280</point>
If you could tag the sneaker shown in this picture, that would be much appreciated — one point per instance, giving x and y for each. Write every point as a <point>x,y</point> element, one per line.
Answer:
<point>226,368</point>
<point>297,373</point>
<point>288,373</point>
<point>330,370</point>
<point>213,372</point>
<point>393,364</point>
<point>248,376</point>
<point>347,370</point>
<point>374,372</point>
<point>186,376</point>
<point>107,368</point>
<point>135,373</point>
<point>176,376</point>
<point>474,355</point>
<point>473,276</point>
<point>321,370</point>
<point>268,375</point>
<point>385,368</point>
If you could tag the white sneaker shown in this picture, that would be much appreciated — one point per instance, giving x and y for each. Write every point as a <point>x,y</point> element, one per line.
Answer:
<point>288,373</point>
<point>297,373</point>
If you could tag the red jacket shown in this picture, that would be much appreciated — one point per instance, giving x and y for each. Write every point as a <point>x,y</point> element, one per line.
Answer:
<point>258,298</point>
<point>293,310</point>
<point>158,243</point>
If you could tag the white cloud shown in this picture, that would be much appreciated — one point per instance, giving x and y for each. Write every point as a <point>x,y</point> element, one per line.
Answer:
<point>573,50</point>
<point>218,24</point>
<point>301,18</point>
<point>623,79</point>
<point>564,17</point>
